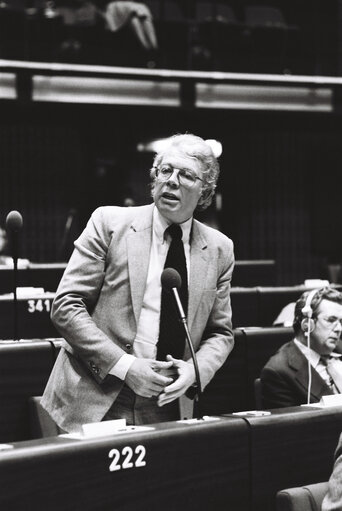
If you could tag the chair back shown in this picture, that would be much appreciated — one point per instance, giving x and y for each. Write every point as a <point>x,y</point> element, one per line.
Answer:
<point>304,498</point>
<point>42,424</point>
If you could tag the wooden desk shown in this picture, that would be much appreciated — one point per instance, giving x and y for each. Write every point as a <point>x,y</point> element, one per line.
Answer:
<point>260,306</point>
<point>236,463</point>
<point>33,317</point>
<point>254,272</point>
<point>291,447</point>
<point>251,307</point>
<point>45,275</point>
<point>203,466</point>
<point>25,367</point>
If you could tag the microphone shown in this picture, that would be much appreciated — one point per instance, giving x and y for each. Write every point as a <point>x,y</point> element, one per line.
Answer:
<point>14,224</point>
<point>171,281</point>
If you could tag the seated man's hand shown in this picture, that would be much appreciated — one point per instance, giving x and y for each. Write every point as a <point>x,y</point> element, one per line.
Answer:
<point>145,376</point>
<point>186,377</point>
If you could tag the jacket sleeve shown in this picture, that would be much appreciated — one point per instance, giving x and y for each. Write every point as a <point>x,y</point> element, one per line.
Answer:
<point>77,294</point>
<point>276,390</point>
<point>217,339</point>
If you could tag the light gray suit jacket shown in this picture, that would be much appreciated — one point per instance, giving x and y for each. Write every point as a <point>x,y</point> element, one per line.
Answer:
<point>333,499</point>
<point>98,304</point>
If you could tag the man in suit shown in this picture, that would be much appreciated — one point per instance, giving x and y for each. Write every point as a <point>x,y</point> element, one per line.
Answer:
<point>109,304</point>
<point>333,499</point>
<point>285,377</point>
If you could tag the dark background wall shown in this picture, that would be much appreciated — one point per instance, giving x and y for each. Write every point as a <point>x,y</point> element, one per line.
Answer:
<point>279,176</point>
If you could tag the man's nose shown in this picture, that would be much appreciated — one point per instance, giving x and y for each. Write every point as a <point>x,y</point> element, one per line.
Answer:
<point>173,179</point>
<point>338,326</point>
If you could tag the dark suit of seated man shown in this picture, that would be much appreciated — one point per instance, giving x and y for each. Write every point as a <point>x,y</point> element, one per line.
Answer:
<point>317,323</point>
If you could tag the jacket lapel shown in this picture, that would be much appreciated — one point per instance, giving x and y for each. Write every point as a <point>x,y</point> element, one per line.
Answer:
<point>138,250</point>
<point>300,364</point>
<point>198,270</point>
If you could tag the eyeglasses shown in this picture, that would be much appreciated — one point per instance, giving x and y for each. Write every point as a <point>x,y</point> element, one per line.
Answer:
<point>331,320</point>
<point>186,177</point>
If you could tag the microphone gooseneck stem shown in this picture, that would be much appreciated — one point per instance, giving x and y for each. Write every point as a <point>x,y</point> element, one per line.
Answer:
<point>14,224</point>
<point>197,408</point>
<point>15,301</point>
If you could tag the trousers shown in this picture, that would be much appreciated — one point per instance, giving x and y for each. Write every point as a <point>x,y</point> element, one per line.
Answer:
<point>139,410</point>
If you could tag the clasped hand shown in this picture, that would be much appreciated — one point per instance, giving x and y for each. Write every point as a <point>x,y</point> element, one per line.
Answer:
<point>169,380</point>
<point>186,377</point>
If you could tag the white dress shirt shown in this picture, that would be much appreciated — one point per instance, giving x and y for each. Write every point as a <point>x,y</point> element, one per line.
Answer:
<point>146,339</point>
<point>318,365</point>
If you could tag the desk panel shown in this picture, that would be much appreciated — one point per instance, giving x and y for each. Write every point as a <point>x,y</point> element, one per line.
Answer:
<point>25,367</point>
<point>256,272</point>
<point>202,466</point>
<point>292,447</point>
<point>45,275</point>
<point>33,317</point>
<point>250,307</point>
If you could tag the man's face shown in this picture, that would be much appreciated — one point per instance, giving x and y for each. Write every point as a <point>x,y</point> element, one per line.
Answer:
<point>176,201</point>
<point>327,331</point>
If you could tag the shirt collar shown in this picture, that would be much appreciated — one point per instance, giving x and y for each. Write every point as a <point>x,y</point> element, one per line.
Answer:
<point>160,224</point>
<point>313,355</point>
<point>308,353</point>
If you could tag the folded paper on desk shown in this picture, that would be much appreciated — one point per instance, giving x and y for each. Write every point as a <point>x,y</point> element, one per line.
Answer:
<point>329,400</point>
<point>105,428</point>
<point>252,413</point>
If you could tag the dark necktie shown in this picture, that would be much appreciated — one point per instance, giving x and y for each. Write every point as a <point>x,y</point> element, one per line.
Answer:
<point>333,372</point>
<point>171,332</point>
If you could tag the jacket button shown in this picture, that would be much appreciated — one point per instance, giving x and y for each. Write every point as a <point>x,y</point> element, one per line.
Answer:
<point>128,347</point>
<point>95,369</point>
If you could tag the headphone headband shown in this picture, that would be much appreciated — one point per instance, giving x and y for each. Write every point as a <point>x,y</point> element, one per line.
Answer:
<point>307,309</point>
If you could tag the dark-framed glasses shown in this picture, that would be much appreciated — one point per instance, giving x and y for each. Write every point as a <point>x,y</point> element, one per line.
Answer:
<point>186,177</point>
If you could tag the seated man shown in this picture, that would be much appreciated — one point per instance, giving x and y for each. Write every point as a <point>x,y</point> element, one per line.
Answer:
<point>317,327</point>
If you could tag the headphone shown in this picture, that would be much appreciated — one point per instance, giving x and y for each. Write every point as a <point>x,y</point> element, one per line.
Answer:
<point>308,324</point>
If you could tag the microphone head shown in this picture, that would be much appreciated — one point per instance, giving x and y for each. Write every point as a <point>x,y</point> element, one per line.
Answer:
<point>170,278</point>
<point>14,221</point>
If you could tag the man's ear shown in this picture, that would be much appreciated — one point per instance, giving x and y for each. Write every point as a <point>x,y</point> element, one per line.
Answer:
<point>307,325</point>
<point>204,196</point>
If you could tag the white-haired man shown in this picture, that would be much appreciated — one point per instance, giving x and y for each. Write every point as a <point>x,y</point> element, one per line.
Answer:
<point>122,349</point>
